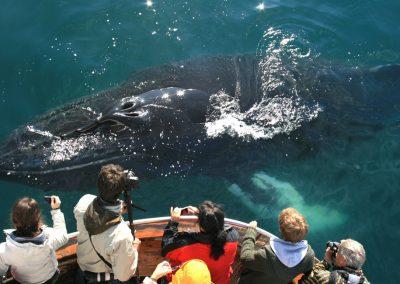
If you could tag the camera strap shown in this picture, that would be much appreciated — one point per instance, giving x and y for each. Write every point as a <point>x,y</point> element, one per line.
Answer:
<point>99,255</point>
<point>128,202</point>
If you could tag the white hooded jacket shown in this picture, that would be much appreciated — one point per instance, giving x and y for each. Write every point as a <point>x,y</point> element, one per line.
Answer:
<point>115,245</point>
<point>34,262</point>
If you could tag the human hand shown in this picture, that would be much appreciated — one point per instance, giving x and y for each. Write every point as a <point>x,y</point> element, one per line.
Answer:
<point>253,224</point>
<point>124,208</point>
<point>328,255</point>
<point>189,210</point>
<point>192,210</point>
<point>175,214</point>
<point>136,243</point>
<point>162,269</point>
<point>55,202</point>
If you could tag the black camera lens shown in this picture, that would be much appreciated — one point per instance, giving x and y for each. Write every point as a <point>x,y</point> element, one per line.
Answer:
<point>47,199</point>
<point>132,181</point>
<point>333,247</point>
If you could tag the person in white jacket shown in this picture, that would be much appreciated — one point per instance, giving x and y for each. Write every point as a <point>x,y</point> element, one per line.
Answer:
<point>29,249</point>
<point>106,252</point>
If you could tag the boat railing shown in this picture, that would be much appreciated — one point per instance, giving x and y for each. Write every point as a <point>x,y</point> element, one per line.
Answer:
<point>191,219</point>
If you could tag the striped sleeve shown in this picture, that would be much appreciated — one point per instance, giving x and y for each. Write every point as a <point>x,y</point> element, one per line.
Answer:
<point>320,274</point>
<point>251,257</point>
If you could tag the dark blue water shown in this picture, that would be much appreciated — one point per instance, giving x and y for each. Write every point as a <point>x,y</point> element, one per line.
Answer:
<point>52,52</point>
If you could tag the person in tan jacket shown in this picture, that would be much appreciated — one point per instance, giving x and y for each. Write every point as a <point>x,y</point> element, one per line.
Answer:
<point>106,252</point>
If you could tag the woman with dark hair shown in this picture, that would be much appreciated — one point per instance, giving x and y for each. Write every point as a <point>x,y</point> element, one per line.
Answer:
<point>29,249</point>
<point>215,244</point>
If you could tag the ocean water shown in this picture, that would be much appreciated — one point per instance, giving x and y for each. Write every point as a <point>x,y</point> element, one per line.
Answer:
<point>53,52</point>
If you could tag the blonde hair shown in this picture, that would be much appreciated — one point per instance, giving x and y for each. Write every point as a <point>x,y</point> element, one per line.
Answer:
<point>292,225</point>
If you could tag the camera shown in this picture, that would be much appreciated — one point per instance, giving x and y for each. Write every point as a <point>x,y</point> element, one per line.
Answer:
<point>185,211</point>
<point>333,247</point>
<point>47,199</point>
<point>131,181</point>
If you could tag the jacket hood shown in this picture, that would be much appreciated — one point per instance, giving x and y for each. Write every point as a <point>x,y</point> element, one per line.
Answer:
<point>290,254</point>
<point>16,241</point>
<point>194,271</point>
<point>99,217</point>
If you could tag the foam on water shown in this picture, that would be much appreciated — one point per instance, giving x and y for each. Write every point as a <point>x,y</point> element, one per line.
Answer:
<point>269,117</point>
<point>285,195</point>
<point>226,118</point>
<point>280,108</point>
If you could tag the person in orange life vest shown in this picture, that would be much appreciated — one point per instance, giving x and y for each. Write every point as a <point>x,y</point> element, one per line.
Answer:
<point>215,244</point>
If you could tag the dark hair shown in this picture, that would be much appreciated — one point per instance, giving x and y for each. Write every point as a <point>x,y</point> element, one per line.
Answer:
<point>111,182</point>
<point>26,217</point>
<point>211,221</point>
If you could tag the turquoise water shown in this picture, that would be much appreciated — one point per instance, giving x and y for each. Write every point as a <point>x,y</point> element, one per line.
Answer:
<point>54,52</point>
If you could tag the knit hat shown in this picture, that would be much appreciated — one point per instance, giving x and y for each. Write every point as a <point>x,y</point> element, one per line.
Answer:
<point>194,271</point>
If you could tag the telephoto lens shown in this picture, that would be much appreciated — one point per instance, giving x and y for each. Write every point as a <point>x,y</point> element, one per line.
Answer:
<point>132,181</point>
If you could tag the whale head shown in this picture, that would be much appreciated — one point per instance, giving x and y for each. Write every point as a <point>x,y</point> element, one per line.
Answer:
<point>149,132</point>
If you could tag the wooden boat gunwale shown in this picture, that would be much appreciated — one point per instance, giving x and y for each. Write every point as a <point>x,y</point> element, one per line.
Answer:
<point>166,219</point>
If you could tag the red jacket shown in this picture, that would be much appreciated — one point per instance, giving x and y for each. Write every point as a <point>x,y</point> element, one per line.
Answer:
<point>180,247</point>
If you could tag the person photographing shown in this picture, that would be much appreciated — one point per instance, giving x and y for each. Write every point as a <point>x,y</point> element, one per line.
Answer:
<point>215,244</point>
<point>29,249</point>
<point>342,264</point>
<point>107,252</point>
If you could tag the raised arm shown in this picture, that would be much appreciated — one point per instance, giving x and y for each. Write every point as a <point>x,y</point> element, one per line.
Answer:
<point>169,237</point>
<point>252,258</point>
<point>58,233</point>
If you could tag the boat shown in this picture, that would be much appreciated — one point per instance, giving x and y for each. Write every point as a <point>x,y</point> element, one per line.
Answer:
<point>150,232</point>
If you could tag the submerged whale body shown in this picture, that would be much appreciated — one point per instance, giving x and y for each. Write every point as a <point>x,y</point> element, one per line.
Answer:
<point>201,114</point>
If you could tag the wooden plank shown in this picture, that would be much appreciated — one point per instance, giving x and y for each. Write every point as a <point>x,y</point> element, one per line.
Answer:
<point>149,255</point>
<point>150,233</point>
<point>66,252</point>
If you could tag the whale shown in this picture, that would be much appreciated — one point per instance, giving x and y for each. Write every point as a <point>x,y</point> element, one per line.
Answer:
<point>209,114</point>
<point>320,216</point>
